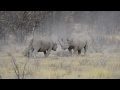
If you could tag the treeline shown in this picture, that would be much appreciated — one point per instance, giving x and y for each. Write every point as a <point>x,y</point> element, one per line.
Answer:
<point>22,23</point>
<point>19,23</point>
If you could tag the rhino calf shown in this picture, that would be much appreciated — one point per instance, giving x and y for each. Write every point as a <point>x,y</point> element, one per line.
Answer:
<point>40,44</point>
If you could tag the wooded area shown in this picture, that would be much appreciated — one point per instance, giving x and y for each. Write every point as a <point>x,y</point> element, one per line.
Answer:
<point>22,23</point>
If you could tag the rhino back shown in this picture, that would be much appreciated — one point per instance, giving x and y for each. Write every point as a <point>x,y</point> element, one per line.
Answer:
<point>77,40</point>
<point>42,44</point>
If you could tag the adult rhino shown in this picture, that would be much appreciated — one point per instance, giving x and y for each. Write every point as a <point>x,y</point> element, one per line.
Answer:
<point>40,44</point>
<point>75,42</point>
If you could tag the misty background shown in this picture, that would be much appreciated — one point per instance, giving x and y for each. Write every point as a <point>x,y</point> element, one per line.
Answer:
<point>101,27</point>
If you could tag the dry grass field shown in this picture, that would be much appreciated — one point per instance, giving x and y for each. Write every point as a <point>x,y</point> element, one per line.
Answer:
<point>99,30</point>
<point>92,66</point>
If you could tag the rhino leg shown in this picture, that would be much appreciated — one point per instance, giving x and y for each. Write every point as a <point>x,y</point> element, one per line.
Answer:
<point>48,52</point>
<point>79,52</point>
<point>75,51</point>
<point>34,53</point>
<point>45,53</point>
<point>70,50</point>
<point>30,53</point>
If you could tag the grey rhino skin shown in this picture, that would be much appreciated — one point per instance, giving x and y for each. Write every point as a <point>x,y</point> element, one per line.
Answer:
<point>40,44</point>
<point>75,42</point>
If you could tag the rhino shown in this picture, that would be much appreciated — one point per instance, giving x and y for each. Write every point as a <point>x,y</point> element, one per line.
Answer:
<point>76,42</point>
<point>40,44</point>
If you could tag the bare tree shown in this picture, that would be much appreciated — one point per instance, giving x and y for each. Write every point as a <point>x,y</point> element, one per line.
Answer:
<point>20,75</point>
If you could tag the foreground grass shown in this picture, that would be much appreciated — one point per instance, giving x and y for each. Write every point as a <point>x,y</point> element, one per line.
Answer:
<point>93,66</point>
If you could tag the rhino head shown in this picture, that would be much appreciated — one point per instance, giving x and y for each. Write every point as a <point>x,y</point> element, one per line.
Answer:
<point>54,47</point>
<point>64,44</point>
<point>27,52</point>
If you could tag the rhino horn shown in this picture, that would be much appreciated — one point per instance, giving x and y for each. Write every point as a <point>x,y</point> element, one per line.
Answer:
<point>60,43</point>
